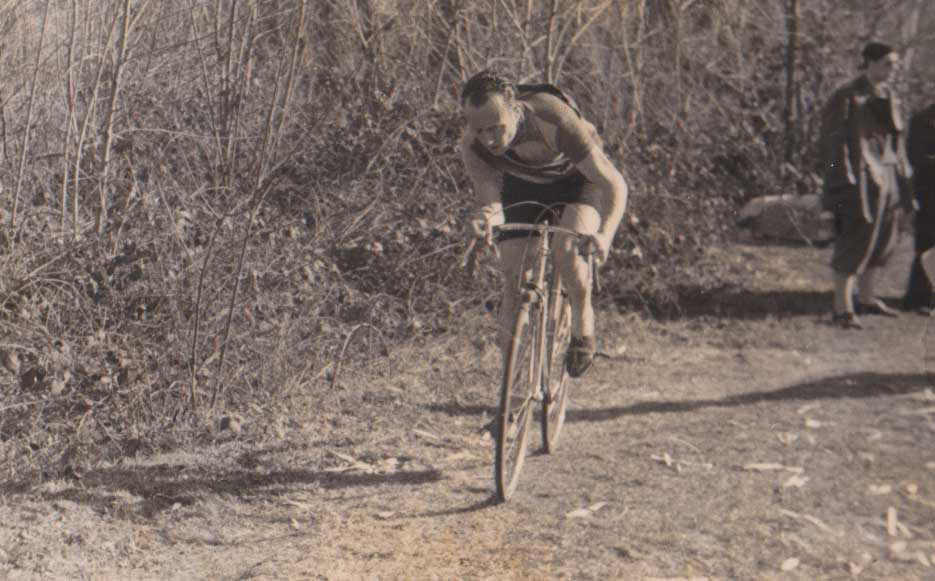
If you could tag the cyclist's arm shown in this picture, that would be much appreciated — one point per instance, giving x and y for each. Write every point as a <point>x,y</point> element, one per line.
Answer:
<point>579,141</point>
<point>602,173</point>
<point>487,184</point>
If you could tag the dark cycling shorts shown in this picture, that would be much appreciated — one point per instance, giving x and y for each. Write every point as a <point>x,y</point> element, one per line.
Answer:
<point>574,189</point>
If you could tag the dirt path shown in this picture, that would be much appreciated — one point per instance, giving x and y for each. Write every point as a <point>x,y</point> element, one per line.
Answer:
<point>746,440</point>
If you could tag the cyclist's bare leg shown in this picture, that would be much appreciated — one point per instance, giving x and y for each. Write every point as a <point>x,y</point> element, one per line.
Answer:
<point>573,267</point>
<point>516,254</point>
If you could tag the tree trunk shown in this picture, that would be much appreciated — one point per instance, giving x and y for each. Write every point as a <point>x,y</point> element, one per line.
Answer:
<point>789,114</point>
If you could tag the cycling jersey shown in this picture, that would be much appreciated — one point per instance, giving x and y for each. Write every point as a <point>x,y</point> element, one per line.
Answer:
<point>551,139</point>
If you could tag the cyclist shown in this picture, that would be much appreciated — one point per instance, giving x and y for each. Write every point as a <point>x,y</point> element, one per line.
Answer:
<point>530,143</point>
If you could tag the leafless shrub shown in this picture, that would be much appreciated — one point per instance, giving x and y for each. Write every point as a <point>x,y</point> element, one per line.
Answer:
<point>206,199</point>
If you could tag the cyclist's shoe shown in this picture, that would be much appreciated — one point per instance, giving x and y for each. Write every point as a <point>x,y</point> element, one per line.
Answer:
<point>580,355</point>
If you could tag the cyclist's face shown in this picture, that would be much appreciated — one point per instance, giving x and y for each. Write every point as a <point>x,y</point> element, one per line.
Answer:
<point>494,122</point>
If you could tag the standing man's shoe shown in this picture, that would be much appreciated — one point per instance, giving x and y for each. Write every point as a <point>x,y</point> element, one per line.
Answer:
<point>846,321</point>
<point>877,307</point>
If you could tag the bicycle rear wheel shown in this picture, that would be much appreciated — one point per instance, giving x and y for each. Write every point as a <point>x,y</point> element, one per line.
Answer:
<point>521,374</point>
<point>555,377</point>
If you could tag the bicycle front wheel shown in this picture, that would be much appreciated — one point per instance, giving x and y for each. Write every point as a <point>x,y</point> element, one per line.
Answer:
<point>521,373</point>
<point>555,376</point>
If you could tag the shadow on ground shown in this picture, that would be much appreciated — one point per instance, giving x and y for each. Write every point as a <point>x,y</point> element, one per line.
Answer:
<point>163,486</point>
<point>856,385</point>
<point>731,302</point>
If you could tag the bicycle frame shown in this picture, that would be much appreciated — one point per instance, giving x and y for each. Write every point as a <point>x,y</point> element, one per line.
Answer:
<point>533,290</point>
<point>528,363</point>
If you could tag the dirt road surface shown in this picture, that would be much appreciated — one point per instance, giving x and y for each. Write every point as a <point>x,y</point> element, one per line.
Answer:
<point>746,439</point>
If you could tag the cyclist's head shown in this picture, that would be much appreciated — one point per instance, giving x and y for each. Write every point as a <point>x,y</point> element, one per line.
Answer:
<point>489,103</point>
<point>479,88</point>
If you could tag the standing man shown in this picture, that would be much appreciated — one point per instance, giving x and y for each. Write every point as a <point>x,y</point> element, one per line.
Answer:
<point>862,159</point>
<point>529,143</point>
<point>921,148</point>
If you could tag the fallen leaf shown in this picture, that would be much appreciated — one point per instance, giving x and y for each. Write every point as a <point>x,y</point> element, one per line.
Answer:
<point>904,530</point>
<point>579,513</point>
<point>789,564</point>
<point>771,467</point>
<point>912,488</point>
<point>389,465</point>
<point>386,515</point>
<point>879,489</point>
<point>763,466</point>
<point>667,460</point>
<point>458,456</point>
<point>364,467</point>
<point>345,457</point>
<point>787,438</point>
<point>597,506</point>
<point>426,435</point>
<point>337,469</point>
<point>809,518</point>
<point>301,505</point>
<point>810,423</point>
<point>891,521</point>
<point>807,408</point>
<point>795,482</point>
<point>296,525</point>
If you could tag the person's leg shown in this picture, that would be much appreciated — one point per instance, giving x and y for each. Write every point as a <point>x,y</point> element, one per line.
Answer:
<point>575,274</point>
<point>867,285</point>
<point>854,244</point>
<point>573,267</point>
<point>843,292</point>
<point>883,245</point>
<point>919,292</point>
<point>516,255</point>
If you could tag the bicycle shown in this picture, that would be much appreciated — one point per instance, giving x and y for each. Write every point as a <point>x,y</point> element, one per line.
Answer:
<point>534,367</point>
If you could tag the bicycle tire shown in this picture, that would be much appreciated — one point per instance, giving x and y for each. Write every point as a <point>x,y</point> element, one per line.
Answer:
<point>555,375</point>
<point>521,373</point>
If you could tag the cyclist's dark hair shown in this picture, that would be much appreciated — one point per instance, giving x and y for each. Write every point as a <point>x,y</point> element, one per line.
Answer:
<point>481,86</point>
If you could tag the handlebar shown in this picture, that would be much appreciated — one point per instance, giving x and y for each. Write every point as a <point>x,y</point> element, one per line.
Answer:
<point>540,228</point>
<point>469,259</point>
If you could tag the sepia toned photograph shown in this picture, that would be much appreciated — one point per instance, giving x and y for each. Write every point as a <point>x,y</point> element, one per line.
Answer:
<point>582,290</point>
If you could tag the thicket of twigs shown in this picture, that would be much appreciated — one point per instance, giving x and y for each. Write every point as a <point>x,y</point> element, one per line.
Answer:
<point>203,200</point>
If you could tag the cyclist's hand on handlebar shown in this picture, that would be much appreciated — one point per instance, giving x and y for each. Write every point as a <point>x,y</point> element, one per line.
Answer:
<point>482,229</point>
<point>482,224</point>
<point>594,244</point>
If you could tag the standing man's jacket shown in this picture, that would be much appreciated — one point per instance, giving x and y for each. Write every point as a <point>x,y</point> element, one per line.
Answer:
<point>862,148</point>
<point>921,150</point>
